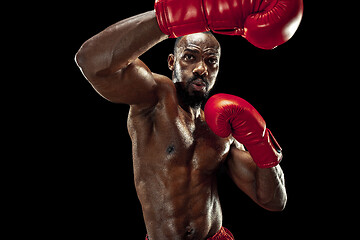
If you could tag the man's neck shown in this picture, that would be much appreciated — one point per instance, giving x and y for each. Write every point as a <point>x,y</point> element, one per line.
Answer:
<point>194,113</point>
<point>185,103</point>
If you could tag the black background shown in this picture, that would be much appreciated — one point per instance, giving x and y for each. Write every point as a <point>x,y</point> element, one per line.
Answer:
<point>80,181</point>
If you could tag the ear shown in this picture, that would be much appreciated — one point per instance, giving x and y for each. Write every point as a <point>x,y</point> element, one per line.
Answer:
<point>171,61</point>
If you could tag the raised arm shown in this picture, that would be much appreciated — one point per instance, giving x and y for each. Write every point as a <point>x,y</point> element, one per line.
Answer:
<point>109,60</point>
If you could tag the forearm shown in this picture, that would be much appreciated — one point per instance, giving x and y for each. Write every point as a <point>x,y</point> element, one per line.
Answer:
<point>270,188</point>
<point>120,44</point>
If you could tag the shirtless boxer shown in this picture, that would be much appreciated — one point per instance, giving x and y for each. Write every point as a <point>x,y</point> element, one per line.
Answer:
<point>176,153</point>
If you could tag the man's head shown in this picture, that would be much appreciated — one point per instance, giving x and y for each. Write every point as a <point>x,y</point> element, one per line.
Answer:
<point>195,65</point>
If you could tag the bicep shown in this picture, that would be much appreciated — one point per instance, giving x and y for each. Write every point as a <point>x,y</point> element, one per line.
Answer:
<point>133,85</point>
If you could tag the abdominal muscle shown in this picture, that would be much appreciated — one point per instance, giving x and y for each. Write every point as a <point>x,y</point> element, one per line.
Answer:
<point>175,161</point>
<point>182,210</point>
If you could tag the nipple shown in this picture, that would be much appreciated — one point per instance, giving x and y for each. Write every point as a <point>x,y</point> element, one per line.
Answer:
<point>170,149</point>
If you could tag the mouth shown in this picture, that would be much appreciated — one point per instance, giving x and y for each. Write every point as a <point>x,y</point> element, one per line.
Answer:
<point>199,84</point>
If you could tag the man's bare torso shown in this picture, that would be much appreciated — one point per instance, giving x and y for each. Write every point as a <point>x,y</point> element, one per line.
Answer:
<point>175,155</point>
<point>175,160</point>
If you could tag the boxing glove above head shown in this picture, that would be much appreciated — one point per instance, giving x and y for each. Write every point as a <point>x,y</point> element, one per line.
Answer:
<point>264,23</point>
<point>227,114</point>
<point>177,18</point>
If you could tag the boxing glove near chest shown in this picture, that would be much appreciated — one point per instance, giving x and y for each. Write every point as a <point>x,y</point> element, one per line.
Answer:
<point>227,114</point>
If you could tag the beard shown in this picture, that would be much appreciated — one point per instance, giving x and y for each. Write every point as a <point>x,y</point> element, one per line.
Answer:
<point>193,99</point>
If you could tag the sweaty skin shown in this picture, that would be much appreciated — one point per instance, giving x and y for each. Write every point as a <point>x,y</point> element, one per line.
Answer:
<point>175,154</point>
<point>175,165</point>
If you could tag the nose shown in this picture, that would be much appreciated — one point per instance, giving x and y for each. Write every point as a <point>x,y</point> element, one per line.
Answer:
<point>200,69</point>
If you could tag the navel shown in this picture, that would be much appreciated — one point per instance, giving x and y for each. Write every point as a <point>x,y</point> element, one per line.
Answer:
<point>189,234</point>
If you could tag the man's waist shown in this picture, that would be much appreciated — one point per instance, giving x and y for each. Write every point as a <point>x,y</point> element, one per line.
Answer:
<point>222,234</point>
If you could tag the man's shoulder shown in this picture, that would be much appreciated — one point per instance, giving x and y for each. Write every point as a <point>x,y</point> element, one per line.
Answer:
<point>164,87</point>
<point>163,82</point>
<point>165,92</point>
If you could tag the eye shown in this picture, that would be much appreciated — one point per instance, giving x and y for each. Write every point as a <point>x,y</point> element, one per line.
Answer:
<point>189,57</point>
<point>213,61</point>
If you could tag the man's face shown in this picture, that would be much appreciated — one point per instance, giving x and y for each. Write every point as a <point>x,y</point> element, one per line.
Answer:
<point>195,65</point>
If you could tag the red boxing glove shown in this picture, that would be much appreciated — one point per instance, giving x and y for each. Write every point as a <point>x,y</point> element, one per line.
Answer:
<point>264,23</point>
<point>177,18</point>
<point>227,114</point>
